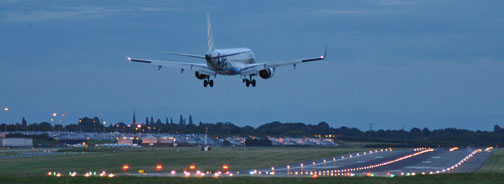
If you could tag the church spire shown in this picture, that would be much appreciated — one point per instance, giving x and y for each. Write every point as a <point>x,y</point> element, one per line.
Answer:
<point>134,118</point>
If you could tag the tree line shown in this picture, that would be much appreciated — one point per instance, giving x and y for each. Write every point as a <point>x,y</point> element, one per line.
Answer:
<point>438,137</point>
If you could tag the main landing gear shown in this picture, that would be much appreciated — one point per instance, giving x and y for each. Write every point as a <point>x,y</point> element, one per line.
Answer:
<point>208,82</point>
<point>249,82</point>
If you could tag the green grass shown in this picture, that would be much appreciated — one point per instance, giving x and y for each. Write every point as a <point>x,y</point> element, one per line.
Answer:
<point>112,160</point>
<point>482,178</point>
<point>495,163</point>
<point>15,151</point>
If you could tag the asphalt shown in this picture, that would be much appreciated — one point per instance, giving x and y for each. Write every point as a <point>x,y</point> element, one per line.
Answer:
<point>384,163</point>
<point>379,162</point>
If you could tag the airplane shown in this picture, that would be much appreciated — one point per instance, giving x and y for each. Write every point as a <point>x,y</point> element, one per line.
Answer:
<point>232,61</point>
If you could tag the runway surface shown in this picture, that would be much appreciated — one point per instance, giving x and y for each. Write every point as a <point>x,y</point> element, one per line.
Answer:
<point>385,163</point>
<point>375,162</point>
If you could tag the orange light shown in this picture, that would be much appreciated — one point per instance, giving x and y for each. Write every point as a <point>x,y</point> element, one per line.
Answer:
<point>225,167</point>
<point>159,167</point>
<point>54,114</point>
<point>192,166</point>
<point>125,167</point>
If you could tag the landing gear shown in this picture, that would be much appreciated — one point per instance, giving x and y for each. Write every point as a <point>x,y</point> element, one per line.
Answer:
<point>249,82</point>
<point>208,83</point>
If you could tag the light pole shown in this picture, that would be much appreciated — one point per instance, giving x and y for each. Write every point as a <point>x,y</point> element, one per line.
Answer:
<point>54,119</point>
<point>80,122</point>
<point>104,122</point>
<point>94,125</point>
<point>63,118</point>
<point>5,119</point>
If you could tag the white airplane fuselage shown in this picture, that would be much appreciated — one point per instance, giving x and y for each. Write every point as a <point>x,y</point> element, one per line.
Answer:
<point>232,61</point>
<point>229,64</point>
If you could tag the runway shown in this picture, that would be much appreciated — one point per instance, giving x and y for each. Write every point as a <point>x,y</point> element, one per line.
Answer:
<point>385,162</point>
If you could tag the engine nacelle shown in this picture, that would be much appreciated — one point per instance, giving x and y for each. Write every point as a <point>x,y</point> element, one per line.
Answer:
<point>201,76</point>
<point>267,73</point>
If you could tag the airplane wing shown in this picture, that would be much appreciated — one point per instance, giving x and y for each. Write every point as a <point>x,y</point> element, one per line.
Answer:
<point>200,67</point>
<point>254,68</point>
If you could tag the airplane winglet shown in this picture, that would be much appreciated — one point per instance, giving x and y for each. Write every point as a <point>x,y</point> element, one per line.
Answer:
<point>317,58</point>
<point>325,53</point>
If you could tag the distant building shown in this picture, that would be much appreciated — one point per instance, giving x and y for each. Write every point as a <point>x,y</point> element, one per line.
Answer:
<point>16,142</point>
<point>149,140</point>
<point>166,140</point>
<point>125,140</point>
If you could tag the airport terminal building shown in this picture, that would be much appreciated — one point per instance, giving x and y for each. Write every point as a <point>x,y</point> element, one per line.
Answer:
<point>16,142</point>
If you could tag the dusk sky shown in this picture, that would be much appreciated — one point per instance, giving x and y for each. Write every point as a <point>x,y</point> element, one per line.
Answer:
<point>392,63</point>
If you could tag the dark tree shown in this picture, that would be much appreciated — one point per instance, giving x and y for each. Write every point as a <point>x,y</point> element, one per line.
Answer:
<point>497,129</point>
<point>181,121</point>
<point>24,123</point>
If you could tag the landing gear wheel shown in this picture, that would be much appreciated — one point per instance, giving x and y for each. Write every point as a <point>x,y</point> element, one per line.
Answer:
<point>247,83</point>
<point>205,83</point>
<point>253,83</point>
<point>211,83</point>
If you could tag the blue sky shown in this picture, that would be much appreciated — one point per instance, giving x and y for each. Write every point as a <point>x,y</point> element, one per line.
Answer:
<point>392,63</point>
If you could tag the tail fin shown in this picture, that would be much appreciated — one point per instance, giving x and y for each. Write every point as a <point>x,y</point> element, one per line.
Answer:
<point>210,36</point>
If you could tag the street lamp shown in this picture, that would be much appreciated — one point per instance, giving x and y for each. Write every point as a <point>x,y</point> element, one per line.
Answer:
<point>5,118</point>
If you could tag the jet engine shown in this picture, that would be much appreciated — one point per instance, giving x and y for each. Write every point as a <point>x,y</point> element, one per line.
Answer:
<point>267,73</point>
<point>201,76</point>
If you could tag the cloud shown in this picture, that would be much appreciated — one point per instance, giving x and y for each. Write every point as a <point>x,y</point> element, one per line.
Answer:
<point>72,13</point>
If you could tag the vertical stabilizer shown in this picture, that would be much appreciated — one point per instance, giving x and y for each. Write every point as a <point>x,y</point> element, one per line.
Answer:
<point>210,36</point>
